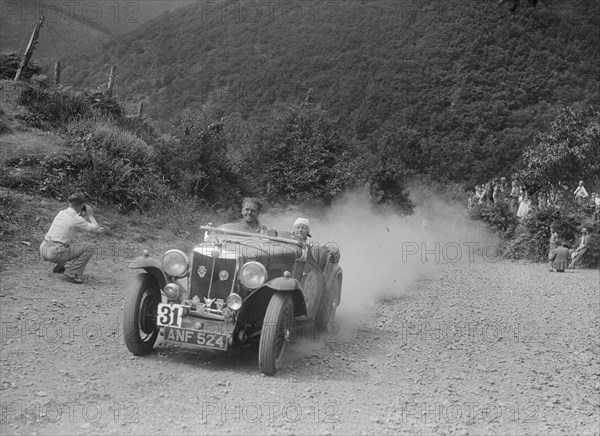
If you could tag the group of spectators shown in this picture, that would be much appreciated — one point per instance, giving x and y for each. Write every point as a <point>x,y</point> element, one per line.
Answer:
<point>522,203</point>
<point>560,251</point>
<point>561,254</point>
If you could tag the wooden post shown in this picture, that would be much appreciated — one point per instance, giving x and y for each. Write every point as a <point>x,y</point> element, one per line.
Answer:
<point>56,72</point>
<point>111,81</point>
<point>30,47</point>
<point>140,109</point>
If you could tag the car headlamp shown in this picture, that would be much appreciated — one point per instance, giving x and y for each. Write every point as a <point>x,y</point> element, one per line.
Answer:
<point>171,291</point>
<point>175,263</point>
<point>234,302</point>
<point>253,274</point>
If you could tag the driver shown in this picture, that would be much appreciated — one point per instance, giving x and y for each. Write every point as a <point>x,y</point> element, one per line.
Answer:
<point>250,210</point>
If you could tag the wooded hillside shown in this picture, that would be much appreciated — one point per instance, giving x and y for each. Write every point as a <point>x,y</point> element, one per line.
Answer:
<point>74,28</point>
<point>456,88</point>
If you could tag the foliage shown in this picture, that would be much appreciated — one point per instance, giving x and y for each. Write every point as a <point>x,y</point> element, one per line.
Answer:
<point>109,164</point>
<point>9,207</point>
<point>469,82</point>
<point>528,238</point>
<point>114,165</point>
<point>498,216</point>
<point>4,126</point>
<point>195,161</point>
<point>55,105</point>
<point>387,172</point>
<point>531,236</point>
<point>569,152</point>
<point>592,257</point>
<point>299,156</point>
<point>100,134</point>
<point>9,65</point>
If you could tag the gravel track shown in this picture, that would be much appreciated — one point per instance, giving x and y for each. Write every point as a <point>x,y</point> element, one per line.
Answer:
<point>480,347</point>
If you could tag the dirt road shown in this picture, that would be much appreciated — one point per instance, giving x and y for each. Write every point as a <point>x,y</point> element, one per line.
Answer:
<point>480,348</point>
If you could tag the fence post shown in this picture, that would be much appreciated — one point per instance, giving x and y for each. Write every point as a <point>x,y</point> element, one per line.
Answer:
<point>111,81</point>
<point>56,72</point>
<point>30,47</point>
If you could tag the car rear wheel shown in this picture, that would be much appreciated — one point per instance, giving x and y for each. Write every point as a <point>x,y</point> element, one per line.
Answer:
<point>328,307</point>
<point>139,317</point>
<point>275,333</point>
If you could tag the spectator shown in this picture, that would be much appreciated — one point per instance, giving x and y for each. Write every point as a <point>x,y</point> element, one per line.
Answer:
<point>542,200</point>
<point>58,245</point>
<point>580,193</point>
<point>581,249</point>
<point>488,190</point>
<point>524,204</point>
<point>514,197</point>
<point>553,239</point>
<point>479,193</point>
<point>596,213</point>
<point>497,193</point>
<point>559,258</point>
<point>504,186</point>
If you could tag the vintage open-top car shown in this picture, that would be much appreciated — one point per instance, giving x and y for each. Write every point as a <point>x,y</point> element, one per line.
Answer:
<point>234,288</point>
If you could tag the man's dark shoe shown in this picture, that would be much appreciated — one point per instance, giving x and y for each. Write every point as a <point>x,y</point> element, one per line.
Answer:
<point>73,278</point>
<point>58,268</point>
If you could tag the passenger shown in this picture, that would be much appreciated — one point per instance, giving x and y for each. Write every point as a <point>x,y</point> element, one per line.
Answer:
<point>301,230</point>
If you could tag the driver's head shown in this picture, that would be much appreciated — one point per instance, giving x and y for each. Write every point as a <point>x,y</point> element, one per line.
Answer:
<point>251,209</point>
<point>301,229</point>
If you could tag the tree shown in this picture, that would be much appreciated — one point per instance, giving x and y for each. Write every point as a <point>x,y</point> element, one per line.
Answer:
<point>196,160</point>
<point>299,156</point>
<point>569,152</point>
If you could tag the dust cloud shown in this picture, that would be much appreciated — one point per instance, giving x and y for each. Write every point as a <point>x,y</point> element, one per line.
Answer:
<point>385,254</point>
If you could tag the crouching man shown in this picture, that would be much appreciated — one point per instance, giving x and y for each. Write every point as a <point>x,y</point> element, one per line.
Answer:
<point>58,245</point>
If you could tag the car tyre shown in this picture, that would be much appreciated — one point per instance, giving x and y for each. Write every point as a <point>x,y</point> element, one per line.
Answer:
<point>329,304</point>
<point>139,317</point>
<point>275,333</point>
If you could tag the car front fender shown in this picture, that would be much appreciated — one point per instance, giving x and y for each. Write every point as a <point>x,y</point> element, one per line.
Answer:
<point>283,284</point>
<point>152,266</point>
<point>256,303</point>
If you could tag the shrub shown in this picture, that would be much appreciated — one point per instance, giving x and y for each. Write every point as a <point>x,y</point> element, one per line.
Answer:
<point>56,106</point>
<point>100,134</point>
<point>498,216</point>
<point>299,156</point>
<point>114,165</point>
<point>8,214</point>
<point>195,160</point>
<point>111,165</point>
<point>10,62</point>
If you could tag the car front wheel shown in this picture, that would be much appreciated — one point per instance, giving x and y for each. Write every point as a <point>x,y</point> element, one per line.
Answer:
<point>139,317</point>
<point>275,333</point>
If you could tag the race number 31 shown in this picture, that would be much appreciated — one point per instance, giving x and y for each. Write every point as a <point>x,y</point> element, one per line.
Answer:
<point>169,315</point>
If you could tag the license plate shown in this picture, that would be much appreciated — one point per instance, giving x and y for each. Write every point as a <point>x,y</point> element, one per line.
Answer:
<point>195,337</point>
<point>169,315</point>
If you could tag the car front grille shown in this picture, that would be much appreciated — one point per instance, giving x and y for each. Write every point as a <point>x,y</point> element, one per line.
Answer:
<point>205,281</point>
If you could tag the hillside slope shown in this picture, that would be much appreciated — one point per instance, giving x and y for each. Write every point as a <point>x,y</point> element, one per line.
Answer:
<point>74,29</point>
<point>459,88</point>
